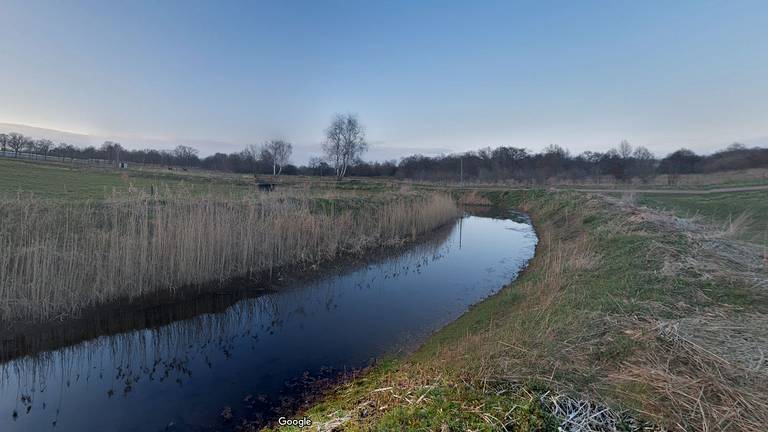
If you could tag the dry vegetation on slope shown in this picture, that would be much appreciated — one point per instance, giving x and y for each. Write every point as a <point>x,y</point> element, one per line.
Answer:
<point>626,319</point>
<point>58,257</point>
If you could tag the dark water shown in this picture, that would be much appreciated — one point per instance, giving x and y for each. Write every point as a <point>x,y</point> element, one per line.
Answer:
<point>181,375</point>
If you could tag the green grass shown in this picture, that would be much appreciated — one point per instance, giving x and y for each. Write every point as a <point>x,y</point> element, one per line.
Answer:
<point>75,182</point>
<point>718,209</point>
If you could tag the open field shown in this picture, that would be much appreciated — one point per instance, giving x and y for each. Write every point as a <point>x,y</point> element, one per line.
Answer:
<point>627,318</point>
<point>67,181</point>
<point>75,181</point>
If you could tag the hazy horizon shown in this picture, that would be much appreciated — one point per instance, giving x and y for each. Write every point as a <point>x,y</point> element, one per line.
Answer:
<point>424,77</point>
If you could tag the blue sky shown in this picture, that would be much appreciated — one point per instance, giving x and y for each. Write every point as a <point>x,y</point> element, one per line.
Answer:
<point>424,76</point>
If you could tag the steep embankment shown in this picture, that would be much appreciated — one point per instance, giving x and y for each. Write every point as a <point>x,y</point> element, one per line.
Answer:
<point>625,318</point>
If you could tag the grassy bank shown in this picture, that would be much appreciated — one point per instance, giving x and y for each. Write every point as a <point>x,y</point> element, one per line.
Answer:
<point>743,212</point>
<point>626,318</point>
<point>57,257</point>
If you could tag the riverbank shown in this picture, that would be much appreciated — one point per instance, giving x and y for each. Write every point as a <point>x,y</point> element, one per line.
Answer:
<point>59,258</point>
<point>626,318</point>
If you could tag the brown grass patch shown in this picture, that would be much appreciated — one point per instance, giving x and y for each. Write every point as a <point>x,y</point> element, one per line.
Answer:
<point>56,258</point>
<point>474,198</point>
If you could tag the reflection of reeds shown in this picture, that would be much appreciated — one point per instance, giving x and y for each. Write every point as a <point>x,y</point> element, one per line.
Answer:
<point>164,353</point>
<point>56,258</point>
<point>176,346</point>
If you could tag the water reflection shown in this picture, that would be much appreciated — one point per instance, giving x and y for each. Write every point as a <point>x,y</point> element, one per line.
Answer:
<point>252,355</point>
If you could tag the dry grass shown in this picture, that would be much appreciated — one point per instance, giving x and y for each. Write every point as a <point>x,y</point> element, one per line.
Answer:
<point>737,226</point>
<point>698,384</point>
<point>747,176</point>
<point>705,370</point>
<point>56,258</point>
<point>629,197</point>
<point>700,372</point>
<point>474,198</point>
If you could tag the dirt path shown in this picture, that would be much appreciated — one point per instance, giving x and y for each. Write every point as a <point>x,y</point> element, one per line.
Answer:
<point>734,189</point>
<point>672,191</point>
<point>646,191</point>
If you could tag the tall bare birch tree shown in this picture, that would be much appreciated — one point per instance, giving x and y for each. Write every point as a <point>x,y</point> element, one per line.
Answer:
<point>277,153</point>
<point>344,142</point>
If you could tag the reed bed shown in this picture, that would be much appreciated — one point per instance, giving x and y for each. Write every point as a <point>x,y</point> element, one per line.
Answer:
<point>57,258</point>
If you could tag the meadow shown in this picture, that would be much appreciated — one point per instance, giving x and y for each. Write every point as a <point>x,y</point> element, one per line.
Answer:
<point>78,182</point>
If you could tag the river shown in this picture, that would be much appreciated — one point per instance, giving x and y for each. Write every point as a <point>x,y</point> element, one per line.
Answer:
<point>255,358</point>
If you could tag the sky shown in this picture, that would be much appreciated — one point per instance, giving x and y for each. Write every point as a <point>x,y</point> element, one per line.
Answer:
<point>425,77</point>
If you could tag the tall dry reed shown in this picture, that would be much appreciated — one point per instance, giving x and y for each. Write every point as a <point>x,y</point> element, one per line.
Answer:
<point>56,258</point>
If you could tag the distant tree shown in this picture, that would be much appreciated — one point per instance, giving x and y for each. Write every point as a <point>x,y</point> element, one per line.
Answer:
<point>642,153</point>
<point>289,169</point>
<point>620,160</point>
<point>16,142</point>
<point>252,154</point>
<point>65,150</point>
<point>43,146</point>
<point>112,151</point>
<point>277,153</point>
<point>345,142</point>
<point>643,163</point>
<point>612,163</point>
<point>682,161</point>
<point>551,162</point>
<point>591,160</point>
<point>3,142</point>
<point>318,165</point>
<point>185,154</point>
<point>507,161</point>
<point>624,150</point>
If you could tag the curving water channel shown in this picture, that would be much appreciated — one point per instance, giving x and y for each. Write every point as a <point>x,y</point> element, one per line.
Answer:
<point>253,359</point>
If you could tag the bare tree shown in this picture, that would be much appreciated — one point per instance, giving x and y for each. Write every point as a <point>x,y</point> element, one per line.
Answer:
<point>277,153</point>
<point>16,142</point>
<point>185,154</point>
<point>3,142</point>
<point>318,165</point>
<point>112,151</point>
<point>625,149</point>
<point>644,163</point>
<point>64,150</point>
<point>252,153</point>
<point>345,142</point>
<point>43,146</point>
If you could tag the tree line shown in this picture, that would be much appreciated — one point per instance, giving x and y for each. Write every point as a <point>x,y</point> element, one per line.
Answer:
<point>622,163</point>
<point>342,148</point>
<point>345,143</point>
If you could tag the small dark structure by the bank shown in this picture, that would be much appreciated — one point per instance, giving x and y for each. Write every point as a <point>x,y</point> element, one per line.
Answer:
<point>266,187</point>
